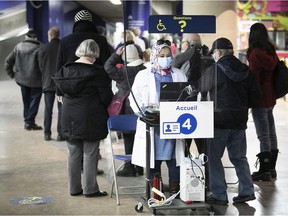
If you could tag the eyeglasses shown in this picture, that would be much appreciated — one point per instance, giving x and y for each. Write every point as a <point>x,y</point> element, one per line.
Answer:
<point>161,41</point>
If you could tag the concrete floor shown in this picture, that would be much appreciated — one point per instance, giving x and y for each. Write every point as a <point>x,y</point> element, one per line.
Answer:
<point>32,167</point>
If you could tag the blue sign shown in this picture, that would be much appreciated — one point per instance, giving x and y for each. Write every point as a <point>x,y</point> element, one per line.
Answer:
<point>182,24</point>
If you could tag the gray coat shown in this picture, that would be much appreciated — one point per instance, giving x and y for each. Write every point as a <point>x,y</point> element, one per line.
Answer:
<point>22,64</point>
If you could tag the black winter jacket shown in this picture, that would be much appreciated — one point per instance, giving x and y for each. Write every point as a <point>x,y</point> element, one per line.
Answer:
<point>47,56</point>
<point>82,30</point>
<point>87,95</point>
<point>233,89</point>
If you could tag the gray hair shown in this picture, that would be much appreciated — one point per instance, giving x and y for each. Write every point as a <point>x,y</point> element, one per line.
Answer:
<point>192,38</point>
<point>88,48</point>
<point>225,52</point>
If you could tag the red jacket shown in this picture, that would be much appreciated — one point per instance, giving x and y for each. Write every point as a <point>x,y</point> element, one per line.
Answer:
<point>262,65</point>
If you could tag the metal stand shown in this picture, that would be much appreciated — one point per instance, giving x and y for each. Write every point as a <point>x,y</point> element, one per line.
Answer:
<point>177,203</point>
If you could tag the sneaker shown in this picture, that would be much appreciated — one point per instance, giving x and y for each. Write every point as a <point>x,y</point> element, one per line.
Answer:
<point>211,200</point>
<point>47,137</point>
<point>242,199</point>
<point>32,127</point>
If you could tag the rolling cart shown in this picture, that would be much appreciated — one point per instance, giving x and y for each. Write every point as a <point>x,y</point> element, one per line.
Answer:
<point>176,204</point>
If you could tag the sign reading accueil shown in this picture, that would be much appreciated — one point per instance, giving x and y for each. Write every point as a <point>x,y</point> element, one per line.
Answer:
<point>186,120</point>
<point>182,24</point>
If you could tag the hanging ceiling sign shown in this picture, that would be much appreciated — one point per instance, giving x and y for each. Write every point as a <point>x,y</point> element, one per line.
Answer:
<point>182,24</point>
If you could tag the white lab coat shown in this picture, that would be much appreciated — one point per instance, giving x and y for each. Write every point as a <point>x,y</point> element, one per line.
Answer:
<point>144,90</point>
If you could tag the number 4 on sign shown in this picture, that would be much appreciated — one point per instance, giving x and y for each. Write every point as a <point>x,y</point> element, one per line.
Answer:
<point>188,123</point>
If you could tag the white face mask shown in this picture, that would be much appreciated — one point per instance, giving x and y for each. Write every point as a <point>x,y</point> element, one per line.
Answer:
<point>164,62</point>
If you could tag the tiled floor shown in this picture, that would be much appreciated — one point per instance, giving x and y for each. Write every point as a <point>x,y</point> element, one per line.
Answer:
<point>32,167</point>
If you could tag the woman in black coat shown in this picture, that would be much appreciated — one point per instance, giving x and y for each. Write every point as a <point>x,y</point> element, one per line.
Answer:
<point>87,94</point>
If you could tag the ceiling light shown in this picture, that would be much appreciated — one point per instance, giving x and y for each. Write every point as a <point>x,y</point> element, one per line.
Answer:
<point>115,2</point>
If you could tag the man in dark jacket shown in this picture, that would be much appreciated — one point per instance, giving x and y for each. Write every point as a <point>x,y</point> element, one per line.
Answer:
<point>22,65</point>
<point>47,56</point>
<point>233,89</point>
<point>83,29</point>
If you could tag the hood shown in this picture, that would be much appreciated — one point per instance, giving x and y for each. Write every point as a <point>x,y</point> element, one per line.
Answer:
<point>84,26</point>
<point>73,77</point>
<point>233,68</point>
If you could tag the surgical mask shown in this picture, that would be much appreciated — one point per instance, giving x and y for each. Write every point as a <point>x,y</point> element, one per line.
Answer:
<point>164,62</point>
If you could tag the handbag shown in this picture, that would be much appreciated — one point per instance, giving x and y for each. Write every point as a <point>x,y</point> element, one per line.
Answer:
<point>281,79</point>
<point>116,105</point>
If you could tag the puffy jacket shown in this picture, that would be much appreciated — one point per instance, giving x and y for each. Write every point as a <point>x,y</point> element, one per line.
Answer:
<point>233,89</point>
<point>87,95</point>
<point>22,64</point>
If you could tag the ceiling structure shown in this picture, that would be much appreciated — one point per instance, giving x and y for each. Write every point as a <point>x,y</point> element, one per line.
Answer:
<point>114,13</point>
<point>105,9</point>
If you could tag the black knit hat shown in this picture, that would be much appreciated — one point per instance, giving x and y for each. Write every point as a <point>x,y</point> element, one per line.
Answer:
<point>83,15</point>
<point>31,34</point>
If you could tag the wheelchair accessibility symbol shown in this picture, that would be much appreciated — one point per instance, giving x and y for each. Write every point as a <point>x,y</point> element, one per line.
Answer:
<point>160,26</point>
<point>186,124</point>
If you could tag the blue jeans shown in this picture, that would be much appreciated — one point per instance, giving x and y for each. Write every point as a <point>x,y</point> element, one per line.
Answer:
<point>49,98</point>
<point>235,141</point>
<point>173,170</point>
<point>265,128</point>
<point>31,98</point>
<point>88,151</point>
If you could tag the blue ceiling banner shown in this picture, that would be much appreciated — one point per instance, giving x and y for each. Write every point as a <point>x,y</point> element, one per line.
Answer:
<point>182,24</point>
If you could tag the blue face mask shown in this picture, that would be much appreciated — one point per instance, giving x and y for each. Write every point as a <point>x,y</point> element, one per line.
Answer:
<point>164,62</point>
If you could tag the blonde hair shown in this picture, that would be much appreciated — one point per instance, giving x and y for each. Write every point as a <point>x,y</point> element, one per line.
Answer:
<point>88,48</point>
<point>54,32</point>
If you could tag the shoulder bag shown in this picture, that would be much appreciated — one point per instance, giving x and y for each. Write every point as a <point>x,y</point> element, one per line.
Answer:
<point>281,79</point>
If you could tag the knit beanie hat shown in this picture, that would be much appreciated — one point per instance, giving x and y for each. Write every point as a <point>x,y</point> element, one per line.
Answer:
<point>131,53</point>
<point>31,34</point>
<point>83,15</point>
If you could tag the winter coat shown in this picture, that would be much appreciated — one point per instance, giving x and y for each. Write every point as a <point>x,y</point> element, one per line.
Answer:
<point>22,64</point>
<point>82,30</point>
<point>87,95</point>
<point>117,71</point>
<point>144,89</point>
<point>47,56</point>
<point>262,65</point>
<point>236,90</point>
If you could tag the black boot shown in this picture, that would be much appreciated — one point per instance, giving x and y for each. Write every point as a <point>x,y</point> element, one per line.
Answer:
<point>174,187</point>
<point>274,156</point>
<point>127,171</point>
<point>139,170</point>
<point>264,171</point>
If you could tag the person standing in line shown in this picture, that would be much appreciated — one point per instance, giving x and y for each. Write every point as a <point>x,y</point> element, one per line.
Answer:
<point>21,64</point>
<point>47,56</point>
<point>83,29</point>
<point>262,59</point>
<point>118,69</point>
<point>87,95</point>
<point>146,89</point>
<point>139,41</point>
<point>189,60</point>
<point>233,89</point>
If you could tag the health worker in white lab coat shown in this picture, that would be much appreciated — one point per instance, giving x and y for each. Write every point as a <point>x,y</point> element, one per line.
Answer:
<point>146,89</point>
